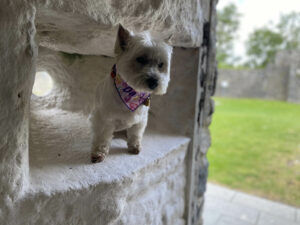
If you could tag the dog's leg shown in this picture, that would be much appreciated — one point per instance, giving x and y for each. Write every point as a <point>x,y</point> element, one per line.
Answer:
<point>101,143</point>
<point>102,136</point>
<point>135,135</point>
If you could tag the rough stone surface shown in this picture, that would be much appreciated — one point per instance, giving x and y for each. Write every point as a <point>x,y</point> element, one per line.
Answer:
<point>124,189</point>
<point>55,184</point>
<point>89,27</point>
<point>179,102</point>
<point>280,80</point>
<point>60,144</point>
<point>17,66</point>
<point>206,80</point>
<point>75,78</point>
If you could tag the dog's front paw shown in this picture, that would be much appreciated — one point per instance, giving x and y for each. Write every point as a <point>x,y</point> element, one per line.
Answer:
<point>134,149</point>
<point>97,157</point>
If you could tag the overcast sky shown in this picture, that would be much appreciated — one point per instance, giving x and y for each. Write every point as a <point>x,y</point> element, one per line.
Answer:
<point>257,13</point>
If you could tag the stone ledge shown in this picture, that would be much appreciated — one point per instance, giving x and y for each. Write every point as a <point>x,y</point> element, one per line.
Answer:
<point>65,188</point>
<point>60,157</point>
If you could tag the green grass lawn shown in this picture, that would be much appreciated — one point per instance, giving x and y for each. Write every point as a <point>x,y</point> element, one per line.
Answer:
<point>256,148</point>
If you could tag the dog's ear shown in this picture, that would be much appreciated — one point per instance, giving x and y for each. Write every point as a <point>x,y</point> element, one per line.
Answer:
<point>123,37</point>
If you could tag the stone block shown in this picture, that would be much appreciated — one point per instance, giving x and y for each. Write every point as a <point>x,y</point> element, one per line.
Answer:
<point>65,188</point>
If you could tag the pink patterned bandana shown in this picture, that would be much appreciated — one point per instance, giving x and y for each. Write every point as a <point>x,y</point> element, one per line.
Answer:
<point>131,98</point>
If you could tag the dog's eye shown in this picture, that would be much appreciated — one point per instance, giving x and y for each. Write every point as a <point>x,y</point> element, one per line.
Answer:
<point>142,60</point>
<point>160,65</point>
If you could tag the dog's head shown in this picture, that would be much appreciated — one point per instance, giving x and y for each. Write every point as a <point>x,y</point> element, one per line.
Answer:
<point>143,62</point>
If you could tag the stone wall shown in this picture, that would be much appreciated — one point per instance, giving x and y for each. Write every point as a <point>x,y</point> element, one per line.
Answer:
<point>278,81</point>
<point>45,174</point>
<point>268,83</point>
<point>291,59</point>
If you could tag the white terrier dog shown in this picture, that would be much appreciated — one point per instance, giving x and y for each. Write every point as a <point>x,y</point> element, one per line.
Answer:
<point>122,100</point>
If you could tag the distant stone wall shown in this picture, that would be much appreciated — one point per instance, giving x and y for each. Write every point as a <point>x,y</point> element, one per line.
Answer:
<point>279,81</point>
<point>292,60</point>
<point>269,83</point>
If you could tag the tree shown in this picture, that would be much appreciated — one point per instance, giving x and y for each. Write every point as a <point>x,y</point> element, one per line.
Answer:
<point>228,25</point>
<point>262,47</point>
<point>289,28</point>
<point>263,43</point>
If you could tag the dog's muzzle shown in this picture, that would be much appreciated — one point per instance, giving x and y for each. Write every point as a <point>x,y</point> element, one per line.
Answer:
<point>152,82</point>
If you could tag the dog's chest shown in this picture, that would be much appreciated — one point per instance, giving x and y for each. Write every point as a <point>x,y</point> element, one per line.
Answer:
<point>114,110</point>
<point>127,119</point>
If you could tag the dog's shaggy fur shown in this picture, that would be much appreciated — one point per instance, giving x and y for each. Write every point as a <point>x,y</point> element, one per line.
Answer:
<point>144,63</point>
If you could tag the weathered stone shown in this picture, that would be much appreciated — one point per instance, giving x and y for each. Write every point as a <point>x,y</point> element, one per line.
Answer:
<point>179,102</point>
<point>198,164</point>
<point>89,27</point>
<point>124,189</point>
<point>75,78</point>
<point>17,67</point>
<point>56,185</point>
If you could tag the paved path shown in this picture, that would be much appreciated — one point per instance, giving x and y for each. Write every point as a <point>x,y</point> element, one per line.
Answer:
<point>224,206</point>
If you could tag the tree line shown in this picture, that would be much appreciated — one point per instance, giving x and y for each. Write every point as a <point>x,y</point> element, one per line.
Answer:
<point>262,44</point>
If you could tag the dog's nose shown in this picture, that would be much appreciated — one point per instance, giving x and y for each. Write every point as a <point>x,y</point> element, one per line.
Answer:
<point>152,82</point>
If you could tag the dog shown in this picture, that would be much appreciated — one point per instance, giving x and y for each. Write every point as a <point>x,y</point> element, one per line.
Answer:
<point>122,100</point>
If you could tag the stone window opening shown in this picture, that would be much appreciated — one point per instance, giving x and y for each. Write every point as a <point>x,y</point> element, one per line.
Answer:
<point>43,84</point>
<point>60,136</point>
<point>46,176</point>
